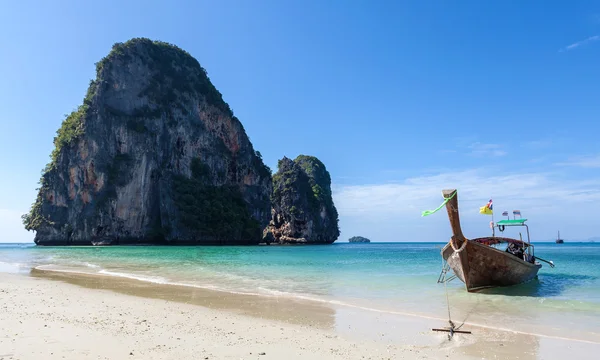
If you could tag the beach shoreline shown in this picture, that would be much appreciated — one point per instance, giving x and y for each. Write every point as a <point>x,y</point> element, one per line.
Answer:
<point>80,316</point>
<point>49,316</point>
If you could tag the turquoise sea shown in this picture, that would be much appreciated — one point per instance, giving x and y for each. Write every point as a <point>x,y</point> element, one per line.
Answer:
<point>377,277</point>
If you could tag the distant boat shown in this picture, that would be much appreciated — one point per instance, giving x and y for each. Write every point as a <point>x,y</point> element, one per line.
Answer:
<point>480,265</point>
<point>558,239</point>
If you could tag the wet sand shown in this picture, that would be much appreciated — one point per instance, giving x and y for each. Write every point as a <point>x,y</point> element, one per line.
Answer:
<point>75,316</point>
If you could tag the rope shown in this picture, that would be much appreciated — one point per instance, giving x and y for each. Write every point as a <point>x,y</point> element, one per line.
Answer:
<point>452,327</point>
<point>462,247</point>
<point>447,302</point>
<point>456,252</point>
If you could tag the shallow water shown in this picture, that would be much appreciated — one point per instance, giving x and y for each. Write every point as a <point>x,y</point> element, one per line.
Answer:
<point>380,277</point>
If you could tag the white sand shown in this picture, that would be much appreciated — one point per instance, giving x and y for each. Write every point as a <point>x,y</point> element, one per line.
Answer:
<point>50,319</point>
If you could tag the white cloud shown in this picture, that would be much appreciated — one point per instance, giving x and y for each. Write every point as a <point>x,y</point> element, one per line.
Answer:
<point>480,149</point>
<point>397,207</point>
<point>580,43</point>
<point>11,227</point>
<point>475,187</point>
<point>592,161</point>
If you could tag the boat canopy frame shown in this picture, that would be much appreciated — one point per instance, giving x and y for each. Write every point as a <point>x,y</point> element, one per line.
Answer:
<point>502,224</point>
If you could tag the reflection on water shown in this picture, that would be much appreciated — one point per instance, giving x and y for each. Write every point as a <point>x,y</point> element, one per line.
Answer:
<point>550,285</point>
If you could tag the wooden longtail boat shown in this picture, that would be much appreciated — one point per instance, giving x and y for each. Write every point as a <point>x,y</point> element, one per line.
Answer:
<point>480,265</point>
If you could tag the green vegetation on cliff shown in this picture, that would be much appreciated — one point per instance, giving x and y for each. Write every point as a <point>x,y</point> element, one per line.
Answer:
<point>219,212</point>
<point>34,218</point>
<point>289,180</point>
<point>320,181</point>
<point>70,129</point>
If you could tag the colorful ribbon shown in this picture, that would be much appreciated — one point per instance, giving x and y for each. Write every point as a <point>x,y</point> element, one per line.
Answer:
<point>429,212</point>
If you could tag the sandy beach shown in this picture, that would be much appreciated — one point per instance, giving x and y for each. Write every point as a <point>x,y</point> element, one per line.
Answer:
<point>72,316</point>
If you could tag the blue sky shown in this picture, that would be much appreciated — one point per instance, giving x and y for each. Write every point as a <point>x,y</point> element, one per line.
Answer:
<point>398,99</point>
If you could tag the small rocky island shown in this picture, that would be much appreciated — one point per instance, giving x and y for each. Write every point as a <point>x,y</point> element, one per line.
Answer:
<point>154,155</point>
<point>359,239</point>
<point>303,209</point>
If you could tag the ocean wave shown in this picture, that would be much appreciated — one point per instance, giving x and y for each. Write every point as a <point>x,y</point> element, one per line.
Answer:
<point>12,266</point>
<point>146,278</point>
<point>12,263</point>
<point>63,269</point>
<point>87,264</point>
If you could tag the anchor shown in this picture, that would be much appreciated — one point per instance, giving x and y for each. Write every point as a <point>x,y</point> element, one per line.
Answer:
<point>452,329</point>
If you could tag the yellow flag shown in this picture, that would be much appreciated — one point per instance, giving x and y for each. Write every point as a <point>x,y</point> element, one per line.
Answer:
<point>485,210</point>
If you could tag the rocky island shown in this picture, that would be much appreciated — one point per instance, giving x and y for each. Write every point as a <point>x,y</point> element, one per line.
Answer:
<point>303,210</point>
<point>359,239</point>
<point>154,155</point>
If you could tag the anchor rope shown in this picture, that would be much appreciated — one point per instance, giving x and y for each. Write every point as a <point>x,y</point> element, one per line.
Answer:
<point>455,253</point>
<point>448,302</point>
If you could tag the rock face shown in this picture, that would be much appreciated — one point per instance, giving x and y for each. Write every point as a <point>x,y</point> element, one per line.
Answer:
<point>359,239</point>
<point>303,209</point>
<point>154,155</point>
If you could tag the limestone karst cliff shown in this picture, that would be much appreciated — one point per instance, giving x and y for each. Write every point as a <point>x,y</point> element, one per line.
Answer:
<point>153,155</point>
<point>303,208</point>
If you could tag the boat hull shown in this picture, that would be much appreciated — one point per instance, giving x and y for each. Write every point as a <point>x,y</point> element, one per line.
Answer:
<point>481,266</point>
